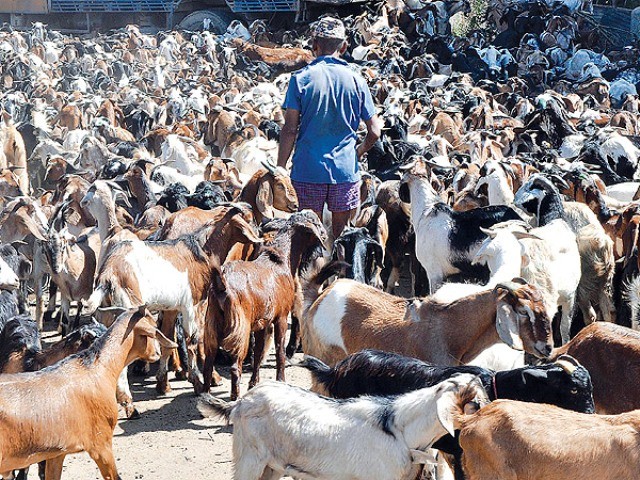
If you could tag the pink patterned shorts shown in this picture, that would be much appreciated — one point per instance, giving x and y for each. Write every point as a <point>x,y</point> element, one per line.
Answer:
<point>339,197</point>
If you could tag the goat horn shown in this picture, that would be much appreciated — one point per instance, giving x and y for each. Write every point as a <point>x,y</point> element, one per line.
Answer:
<point>566,366</point>
<point>268,166</point>
<point>407,166</point>
<point>509,286</point>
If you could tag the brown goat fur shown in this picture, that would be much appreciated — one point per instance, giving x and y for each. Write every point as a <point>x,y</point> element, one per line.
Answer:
<point>266,191</point>
<point>52,413</point>
<point>285,59</point>
<point>251,296</point>
<point>513,440</point>
<point>440,333</point>
<point>611,353</point>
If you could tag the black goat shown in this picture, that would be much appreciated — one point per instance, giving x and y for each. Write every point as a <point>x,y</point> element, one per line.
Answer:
<point>19,344</point>
<point>207,196</point>
<point>174,197</point>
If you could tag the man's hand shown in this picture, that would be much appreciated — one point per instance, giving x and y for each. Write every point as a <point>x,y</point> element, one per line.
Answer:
<point>288,136</point>
<point>374,130</point>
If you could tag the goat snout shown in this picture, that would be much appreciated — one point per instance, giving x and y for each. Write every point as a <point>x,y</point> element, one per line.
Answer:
<point>543,349</point>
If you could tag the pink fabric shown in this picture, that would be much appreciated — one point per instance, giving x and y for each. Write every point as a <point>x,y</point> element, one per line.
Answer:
<point>339,197</point>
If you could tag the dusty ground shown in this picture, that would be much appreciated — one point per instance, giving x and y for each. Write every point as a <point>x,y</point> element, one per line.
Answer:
<point>171,440</point>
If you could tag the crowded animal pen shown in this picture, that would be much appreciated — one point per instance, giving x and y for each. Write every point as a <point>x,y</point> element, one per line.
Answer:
<point>420,218</point>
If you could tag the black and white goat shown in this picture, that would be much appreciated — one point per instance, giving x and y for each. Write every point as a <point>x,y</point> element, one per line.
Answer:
<point>283,430</point>
<point>446,240</point>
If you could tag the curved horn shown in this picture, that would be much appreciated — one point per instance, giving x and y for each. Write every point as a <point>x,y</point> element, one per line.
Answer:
<point>511,286</point>
<point>271,168</point>
<point>408,166</point>
<point>567,363</point>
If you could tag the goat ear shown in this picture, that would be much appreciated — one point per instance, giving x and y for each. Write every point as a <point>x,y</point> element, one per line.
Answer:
<point>33,228</point>
<point>508,326</point>
<point>444,411</point>
<point>264,199</point>
<point>521,235</point>
<point>248,231</point>
<point>164,341</point>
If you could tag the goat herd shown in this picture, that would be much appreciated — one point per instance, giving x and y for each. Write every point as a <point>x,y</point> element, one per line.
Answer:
<point>137,183</point>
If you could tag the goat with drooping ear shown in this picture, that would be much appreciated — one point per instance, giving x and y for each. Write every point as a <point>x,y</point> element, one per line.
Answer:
<point>268,190</point>
<point>58,412</point>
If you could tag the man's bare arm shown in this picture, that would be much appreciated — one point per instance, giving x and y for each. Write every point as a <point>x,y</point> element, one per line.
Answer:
<point>374,130</point>
<point>288,136</point>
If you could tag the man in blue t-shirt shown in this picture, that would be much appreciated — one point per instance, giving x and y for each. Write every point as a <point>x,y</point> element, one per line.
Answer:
<point>325,103</point>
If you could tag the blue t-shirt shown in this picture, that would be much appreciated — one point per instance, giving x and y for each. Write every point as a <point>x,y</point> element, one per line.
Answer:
<point>332,99</point>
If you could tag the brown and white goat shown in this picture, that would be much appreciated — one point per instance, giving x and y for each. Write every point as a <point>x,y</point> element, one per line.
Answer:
<point>250,296</point>
<point>349,316</point>
<point>169,275</point>
<point>71,407</point>
<point>504,440</point>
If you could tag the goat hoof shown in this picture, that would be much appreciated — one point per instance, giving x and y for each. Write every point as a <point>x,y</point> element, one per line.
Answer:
<point>198,387</point>
<point>47,317</point>
<point>132,413</point>
<point>181,375</point>
<point>163,387</point>
<point>216,380</point>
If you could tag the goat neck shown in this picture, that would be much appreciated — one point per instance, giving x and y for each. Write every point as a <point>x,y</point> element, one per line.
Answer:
<point>107,220</point>
<point>480,331</point>
<point>359,266</point>
<point>423,198</point>
<point>550,208</point>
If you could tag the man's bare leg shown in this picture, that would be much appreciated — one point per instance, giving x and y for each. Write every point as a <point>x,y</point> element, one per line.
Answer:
<point>340,220</point>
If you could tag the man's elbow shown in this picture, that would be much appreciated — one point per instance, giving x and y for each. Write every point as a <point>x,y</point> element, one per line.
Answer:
<point>375,131</point>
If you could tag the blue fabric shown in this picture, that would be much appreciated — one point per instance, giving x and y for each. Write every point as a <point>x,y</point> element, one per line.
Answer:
<point>332,99</point>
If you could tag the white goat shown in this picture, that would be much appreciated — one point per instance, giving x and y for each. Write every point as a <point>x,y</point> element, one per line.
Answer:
<point>282,430</point>
<point>549,259</point>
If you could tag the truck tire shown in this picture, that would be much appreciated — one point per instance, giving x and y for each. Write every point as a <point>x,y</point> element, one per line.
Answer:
<point>219,20</point>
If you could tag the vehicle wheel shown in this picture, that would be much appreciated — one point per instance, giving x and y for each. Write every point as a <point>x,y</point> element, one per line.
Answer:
<point>216,20</point>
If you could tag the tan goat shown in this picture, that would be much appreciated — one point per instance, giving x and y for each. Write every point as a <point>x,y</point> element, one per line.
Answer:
<point>71,407</point>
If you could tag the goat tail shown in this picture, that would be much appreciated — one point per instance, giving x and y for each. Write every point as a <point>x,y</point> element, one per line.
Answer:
<point>210,406</point>
<point>95,300</point>
<point>311,285</point>
<point>320,371</point>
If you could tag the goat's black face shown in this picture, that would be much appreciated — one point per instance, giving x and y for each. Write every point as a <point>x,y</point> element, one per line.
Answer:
<point>554,385</point>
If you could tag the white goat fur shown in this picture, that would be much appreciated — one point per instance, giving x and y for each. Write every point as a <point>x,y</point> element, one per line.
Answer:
<point>551,262</point>
<point>284,430</point>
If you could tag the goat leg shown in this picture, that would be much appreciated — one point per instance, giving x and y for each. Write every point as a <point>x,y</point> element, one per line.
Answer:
<point>168,328</point>
<point>280,331</point>
<point>53,470</point>
<point>294,337</point>
<point>259,350</point>
<point>193,370</point>
<point>124,397</point>
<point>210,375</point>
<point>236,374</point>
<point>106,462</point>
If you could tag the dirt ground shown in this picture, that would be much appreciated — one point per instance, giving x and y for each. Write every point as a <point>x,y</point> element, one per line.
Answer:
<point>171,439</point>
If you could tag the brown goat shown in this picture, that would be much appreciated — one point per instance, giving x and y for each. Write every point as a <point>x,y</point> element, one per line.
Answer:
<point>283,59</point>
<point>250,296</point>
<point>269,190</point>
<point>503,440</point>
<point>611,353</point>
<point>52,413</point>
